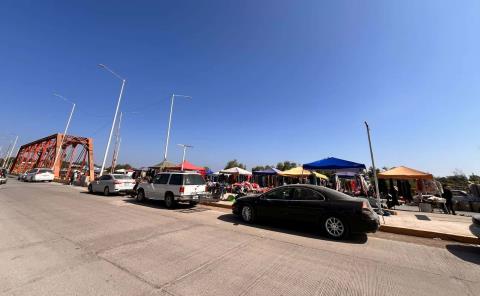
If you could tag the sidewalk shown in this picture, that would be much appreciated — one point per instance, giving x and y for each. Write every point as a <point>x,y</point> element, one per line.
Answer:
<point>431,225</point>
<point>428,225</point>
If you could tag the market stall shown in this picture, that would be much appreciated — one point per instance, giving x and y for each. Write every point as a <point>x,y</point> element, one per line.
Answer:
<point>267,177</point>
<point>303,175</point>
<point>347,174</point>
<point>426,187</point>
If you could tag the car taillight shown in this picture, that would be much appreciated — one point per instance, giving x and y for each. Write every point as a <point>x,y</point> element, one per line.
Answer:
<point>365,205</point>
<point>182,189</point>
<point>118,182</point>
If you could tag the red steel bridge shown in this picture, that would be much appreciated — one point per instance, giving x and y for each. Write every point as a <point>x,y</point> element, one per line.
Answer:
<point>76,153</point>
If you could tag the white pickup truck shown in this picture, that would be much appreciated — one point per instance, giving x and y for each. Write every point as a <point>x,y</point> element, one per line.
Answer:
<point>173,187</point>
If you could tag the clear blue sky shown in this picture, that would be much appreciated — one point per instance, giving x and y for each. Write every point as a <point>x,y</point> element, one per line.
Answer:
<point>271,80</point>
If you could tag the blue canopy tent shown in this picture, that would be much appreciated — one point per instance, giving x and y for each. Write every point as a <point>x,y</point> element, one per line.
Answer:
<point>267,172</point>
<point>336,164</point>
<point>266,178</point>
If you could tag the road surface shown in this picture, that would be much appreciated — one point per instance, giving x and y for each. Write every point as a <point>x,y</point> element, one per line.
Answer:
<point>58,240</point>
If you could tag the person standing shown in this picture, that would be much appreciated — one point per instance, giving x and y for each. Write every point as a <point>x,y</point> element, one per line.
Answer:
<point>447,194</point>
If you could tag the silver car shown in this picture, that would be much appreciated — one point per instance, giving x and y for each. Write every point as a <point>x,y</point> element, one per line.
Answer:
<point>112,183</point>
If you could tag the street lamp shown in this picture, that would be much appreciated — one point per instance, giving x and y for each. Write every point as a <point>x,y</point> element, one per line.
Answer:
<point>185,146</point>
<point>170,123</point>
<point>66,129</point>
<point>377,192</point>
<point>114,117</point>
<point>5,162</point>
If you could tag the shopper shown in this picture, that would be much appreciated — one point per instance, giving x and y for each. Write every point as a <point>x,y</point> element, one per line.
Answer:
<point>447,194</point>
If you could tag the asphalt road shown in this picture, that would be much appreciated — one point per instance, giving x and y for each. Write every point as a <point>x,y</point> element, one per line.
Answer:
<point>59,240</point>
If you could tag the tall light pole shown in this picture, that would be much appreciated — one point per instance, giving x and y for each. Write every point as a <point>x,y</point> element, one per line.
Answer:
<point>10,152</point>
<point>117,145</point>
<point>65,132</point>
<point>10,161</point>
<point>170,123</point>
<point>185,146</point>
<point>114,117</point>
<point>377,192</point>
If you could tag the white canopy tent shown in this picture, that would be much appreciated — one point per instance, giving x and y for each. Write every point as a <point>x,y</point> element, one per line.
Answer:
<point>236,171</point>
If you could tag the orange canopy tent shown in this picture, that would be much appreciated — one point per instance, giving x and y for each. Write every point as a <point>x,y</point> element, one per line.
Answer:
<point>404,173</point>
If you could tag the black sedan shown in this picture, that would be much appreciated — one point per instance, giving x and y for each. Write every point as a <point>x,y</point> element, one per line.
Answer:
<point>336,213</point>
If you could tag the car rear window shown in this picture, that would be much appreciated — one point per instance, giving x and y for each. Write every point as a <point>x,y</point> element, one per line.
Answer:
<point>176,179</point>
<point>193,180</point>
<point>45,171</point>
<point>122,177</point>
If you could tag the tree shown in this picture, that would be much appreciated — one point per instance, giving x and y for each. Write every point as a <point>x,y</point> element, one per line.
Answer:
<point>262,167</point>
<point>234,163</point>
<point>286,165</point>
<point>474,179</point>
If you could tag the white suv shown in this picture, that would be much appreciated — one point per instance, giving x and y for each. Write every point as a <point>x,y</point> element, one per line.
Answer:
<point>173,187</point>
<point>39,175</point>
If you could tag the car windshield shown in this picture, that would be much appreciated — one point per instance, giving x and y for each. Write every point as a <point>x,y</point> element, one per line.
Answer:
<point>193,180</point>
<point>122,177</point>
<point>45,171</point>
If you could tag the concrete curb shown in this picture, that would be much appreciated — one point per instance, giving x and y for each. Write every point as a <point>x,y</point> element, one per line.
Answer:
<point>214,204</point>
<point>398,230</point>
<point>430,234</point>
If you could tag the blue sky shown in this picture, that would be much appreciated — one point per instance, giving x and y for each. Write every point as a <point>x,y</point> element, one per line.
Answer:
<point>271,80</point>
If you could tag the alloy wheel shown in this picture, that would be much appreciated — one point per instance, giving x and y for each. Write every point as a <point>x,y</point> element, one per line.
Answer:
<point>247,213</point>
<point>334,227</point>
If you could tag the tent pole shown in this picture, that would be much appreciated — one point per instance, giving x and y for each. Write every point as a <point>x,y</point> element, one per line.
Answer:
<point>374,170</point>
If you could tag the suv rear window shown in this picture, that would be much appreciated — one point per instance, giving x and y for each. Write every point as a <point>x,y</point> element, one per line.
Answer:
<point>45,171</point>
<point>176,179</point>
<point>122,177</point>
<point>193,180</point>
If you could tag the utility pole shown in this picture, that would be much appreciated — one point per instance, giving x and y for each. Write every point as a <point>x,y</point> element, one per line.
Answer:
<point>184,152</point>
<point>4,158</point>
<point>10,161</point>
<point>117,144</point>
<point>170,123</point>
<point>377,192</point>
<point>11,151</point>
<point>114,117</point>
<point>64,133</point>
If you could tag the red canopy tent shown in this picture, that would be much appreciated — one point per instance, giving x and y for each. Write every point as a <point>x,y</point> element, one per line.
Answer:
<point>187,166</point>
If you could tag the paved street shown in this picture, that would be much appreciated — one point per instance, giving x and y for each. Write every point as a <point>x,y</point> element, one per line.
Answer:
<point>59,240</point>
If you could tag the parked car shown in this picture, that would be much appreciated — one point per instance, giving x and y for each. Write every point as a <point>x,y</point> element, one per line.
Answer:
<point>173,187</point>
<point>336,213</point>
<point>21,177</point>
<point>3,176</point>
<point>40,175</point>
<point>112,183</point>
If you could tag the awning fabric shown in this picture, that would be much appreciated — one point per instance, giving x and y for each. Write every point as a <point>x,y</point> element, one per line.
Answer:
<point>299,172</point>
<point>332,163</point>
<point>163,164</point>
<point>405,173</point>
<point>267,172</point>
<point>188,166</point>
<point>236,171</point>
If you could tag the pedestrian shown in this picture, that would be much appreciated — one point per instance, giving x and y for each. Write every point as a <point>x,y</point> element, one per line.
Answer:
<point>447,194</point>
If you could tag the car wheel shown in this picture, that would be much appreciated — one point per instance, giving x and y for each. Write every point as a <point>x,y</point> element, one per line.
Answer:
<point>106,191</point>
<point>169,201</point>
<point>140,196</point>
<point>335,227</point>
<point>248,214</point>
<point>90,189</point>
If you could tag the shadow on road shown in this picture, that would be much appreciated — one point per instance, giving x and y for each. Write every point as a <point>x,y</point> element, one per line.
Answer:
<point>465,252</point>
<point>156,204</point>
<point>304,230</point>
